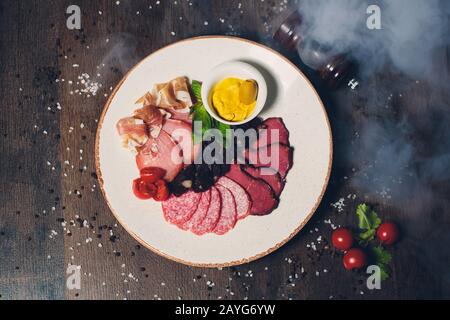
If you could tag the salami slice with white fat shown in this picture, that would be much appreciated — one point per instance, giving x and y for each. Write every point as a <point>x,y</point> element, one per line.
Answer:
<point>241,197</point>
<point>201,211</point>
<point>212,216</point>
<point>228,215</point>
<point>179,210</point>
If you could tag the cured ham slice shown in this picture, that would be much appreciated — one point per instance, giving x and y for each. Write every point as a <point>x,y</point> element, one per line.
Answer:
<point>152,117</point>
<point>212,216</point>
<point>228,215</point>
<point>200,213</point>
<point>272,131</point>
<point>170,95</point>
<point>241,197</point>
<point>275,156</point>
<point>134,132</point>
<point>180,88</point>
<point>181,133</point>
<point>162,152</point>
<point>183,115</point>
<point>261,194</point>
<point>270,176</point>
<point>179,210</point>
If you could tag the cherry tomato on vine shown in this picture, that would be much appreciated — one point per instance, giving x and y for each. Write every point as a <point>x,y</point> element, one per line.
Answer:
<point>355,258</point>
<point>342,239</point>
<point>388,233</point>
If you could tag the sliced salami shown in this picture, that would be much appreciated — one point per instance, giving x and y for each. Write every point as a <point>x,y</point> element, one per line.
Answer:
<point>228,216</point>
<point>200,213</point>
<point>212,216</point>
<point>241,197</point>
<point>178,210</point>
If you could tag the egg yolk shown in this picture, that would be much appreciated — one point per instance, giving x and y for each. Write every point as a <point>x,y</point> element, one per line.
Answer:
<point>234,99</point>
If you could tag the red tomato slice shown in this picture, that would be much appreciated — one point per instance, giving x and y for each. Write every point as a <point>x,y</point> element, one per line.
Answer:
<point>152,174</point>
<point>143,190</point>
<point>162,192</point>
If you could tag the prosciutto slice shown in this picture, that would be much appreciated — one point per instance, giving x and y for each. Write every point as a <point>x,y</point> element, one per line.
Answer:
<point>152,117</point>
<point>172,95</point>
<point>134,132</point>
<point>162,152</point>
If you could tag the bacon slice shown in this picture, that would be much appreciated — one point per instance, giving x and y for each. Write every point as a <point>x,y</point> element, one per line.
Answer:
<point>161,152</point>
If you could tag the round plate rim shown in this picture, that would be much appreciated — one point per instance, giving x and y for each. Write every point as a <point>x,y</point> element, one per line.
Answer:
<point>231,263</point>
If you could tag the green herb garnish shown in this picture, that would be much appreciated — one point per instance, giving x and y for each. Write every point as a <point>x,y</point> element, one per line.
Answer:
<point>197,90</point>
<point>382,258</point>
<point>200,114</point>
<point>368,221</point>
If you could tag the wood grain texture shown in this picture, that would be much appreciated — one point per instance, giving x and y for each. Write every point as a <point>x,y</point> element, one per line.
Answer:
<point>47,179</point>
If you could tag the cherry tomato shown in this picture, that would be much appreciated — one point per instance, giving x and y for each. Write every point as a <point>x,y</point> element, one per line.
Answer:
<point>152,174</point>
<point>342,239</point>
<point>354,259</point>
<point>162,191</point>
<point>143,190</point>
<point>388,233</point>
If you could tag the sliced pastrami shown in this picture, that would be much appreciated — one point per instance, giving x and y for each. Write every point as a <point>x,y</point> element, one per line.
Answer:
<point>272,130</point>
<point>269,175</point>
<point>263,199</point>
<point>275,156</point>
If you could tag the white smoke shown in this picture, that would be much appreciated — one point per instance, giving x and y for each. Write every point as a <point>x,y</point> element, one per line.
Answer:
<point>394,137</point>
<point>410,31</point>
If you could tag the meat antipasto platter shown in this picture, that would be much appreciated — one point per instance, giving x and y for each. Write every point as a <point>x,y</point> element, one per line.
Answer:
<point>214,151</point>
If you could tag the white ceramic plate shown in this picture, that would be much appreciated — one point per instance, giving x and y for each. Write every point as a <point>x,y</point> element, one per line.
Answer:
<point>290,96</point>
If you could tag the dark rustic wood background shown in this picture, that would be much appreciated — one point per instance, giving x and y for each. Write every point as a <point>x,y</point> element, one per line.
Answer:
<point>52,213</point>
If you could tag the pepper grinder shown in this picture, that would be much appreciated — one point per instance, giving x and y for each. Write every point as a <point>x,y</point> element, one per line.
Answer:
<point>336,70</point>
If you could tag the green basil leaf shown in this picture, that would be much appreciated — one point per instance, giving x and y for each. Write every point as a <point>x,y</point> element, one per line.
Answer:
<point>197,90</point>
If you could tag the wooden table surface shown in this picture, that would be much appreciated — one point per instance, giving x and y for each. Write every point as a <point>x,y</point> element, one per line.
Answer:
<point>52,212</point>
